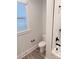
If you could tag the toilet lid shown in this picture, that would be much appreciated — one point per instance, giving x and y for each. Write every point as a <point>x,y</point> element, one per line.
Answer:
<point>42,43</point>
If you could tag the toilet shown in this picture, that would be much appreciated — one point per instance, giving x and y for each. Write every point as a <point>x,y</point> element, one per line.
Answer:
<point>42,46</point>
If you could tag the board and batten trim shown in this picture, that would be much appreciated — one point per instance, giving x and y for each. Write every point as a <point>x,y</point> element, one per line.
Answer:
<point>27,52</point>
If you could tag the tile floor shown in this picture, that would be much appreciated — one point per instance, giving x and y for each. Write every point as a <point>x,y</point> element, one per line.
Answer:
<point>35,55</point>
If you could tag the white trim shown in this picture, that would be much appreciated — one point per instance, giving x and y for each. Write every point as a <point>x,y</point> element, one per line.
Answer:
<point>23,32</point>
<point>23,1</point>
<point>49,25</point>
<point>56,53</point>
<point>27,52</point>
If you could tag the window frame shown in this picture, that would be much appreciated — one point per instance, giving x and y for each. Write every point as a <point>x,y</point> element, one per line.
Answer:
<point>28,29</point>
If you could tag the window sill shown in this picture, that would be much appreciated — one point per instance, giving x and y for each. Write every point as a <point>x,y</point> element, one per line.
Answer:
<point>23,32</point>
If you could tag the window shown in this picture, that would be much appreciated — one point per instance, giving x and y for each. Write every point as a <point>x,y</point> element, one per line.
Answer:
<point>21,17</point>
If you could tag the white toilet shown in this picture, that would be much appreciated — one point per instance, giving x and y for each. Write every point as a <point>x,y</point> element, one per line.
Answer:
<point>42,45</point>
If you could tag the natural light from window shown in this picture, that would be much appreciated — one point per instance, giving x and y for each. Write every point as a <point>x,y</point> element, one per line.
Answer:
<point>22,17</point>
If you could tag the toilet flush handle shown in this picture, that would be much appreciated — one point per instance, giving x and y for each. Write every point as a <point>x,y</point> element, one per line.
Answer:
<point>33,40</point>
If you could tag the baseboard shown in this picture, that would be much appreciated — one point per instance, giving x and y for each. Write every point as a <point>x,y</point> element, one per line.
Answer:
<point>27,52</point>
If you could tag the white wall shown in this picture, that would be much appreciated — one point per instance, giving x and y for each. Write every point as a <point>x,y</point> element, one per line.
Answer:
<point>35,22</point>
<point>44,15</point>
<point>49,25</point>
<point>36,17</point>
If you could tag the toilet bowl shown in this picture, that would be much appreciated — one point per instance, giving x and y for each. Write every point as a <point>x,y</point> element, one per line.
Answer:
<point>42,45</point>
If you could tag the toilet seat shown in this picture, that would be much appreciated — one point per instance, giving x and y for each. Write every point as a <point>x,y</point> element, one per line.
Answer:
<point>42,44</point>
